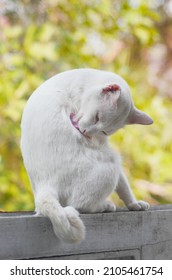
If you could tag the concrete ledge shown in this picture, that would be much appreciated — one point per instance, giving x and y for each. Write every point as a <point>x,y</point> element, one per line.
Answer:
<point>119,235</point>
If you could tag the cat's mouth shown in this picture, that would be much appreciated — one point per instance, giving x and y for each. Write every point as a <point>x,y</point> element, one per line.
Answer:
<point>75,124</point>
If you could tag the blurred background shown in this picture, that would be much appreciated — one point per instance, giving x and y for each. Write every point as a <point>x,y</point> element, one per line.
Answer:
<point>132,38</point>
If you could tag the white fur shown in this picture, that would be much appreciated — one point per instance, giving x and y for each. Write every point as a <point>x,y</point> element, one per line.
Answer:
<point>71,169</point>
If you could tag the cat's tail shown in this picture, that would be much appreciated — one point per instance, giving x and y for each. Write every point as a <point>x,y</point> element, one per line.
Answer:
<point>65,220</point>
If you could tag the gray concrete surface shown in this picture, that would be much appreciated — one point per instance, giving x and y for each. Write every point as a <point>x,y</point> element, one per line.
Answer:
<point>119,235</point>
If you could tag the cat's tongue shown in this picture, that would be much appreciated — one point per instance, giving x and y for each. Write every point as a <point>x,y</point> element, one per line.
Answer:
<point>75,123</point>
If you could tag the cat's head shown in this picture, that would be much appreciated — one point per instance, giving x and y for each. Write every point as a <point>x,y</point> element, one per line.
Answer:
<point>107,108</point>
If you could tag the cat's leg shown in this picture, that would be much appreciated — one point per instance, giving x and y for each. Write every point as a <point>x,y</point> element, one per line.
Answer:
<point>125,193</point>
<point>106,206</point>
<point>93,205</point>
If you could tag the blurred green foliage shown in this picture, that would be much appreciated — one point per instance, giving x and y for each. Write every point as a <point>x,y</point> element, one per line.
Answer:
<point>42,38</point>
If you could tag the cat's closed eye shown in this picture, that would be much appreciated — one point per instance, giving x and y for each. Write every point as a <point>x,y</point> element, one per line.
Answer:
<point>97,118</point>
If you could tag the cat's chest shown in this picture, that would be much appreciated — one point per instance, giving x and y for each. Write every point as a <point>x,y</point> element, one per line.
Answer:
<point>97,157</point>
<point>102,156</point>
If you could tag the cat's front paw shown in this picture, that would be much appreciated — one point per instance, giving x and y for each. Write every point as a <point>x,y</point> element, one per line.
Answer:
<point>109,206</point>
<point>138,206</point>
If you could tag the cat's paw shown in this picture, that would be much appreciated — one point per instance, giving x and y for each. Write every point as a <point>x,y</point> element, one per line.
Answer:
<point>109,206</point>
<point>138,206</point>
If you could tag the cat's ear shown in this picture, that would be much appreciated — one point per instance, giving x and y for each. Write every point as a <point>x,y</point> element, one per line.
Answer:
<point>112,90</point>
<point>139,117</point>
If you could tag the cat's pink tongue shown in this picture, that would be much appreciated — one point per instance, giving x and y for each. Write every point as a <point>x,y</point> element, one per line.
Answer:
<point>75,123</point>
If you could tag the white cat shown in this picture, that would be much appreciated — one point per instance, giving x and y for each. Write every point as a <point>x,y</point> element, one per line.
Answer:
<point>65,148</point>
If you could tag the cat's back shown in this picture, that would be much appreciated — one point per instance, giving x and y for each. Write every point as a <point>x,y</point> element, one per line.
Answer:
<point>56,91</point>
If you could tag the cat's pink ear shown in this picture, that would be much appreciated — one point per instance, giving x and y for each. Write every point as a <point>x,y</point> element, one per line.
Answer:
<point>112,90</point>
<point>139,117</point>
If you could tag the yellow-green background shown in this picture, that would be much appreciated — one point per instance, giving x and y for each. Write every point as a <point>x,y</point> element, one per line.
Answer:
<point>132,38</point>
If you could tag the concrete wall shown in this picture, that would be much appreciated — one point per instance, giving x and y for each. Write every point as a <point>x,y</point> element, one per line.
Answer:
<point>120,235</point>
